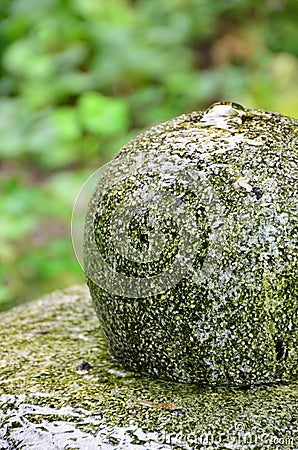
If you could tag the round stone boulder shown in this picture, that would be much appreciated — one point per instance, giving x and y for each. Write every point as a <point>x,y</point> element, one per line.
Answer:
<point>190,248</point>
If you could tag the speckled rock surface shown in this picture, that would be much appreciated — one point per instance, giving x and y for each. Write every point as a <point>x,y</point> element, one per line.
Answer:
<point>230,314</point>
<point>51,399</point>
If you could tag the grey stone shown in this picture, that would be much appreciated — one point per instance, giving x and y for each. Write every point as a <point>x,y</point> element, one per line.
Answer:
<point>215,301</point>
<point>45,404</point>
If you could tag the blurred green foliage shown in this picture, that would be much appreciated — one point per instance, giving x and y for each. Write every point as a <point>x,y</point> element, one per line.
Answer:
<point>80,77</point>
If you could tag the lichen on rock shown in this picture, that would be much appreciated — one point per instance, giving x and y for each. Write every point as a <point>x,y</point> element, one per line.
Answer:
<point>47,403</point>
<point>191,248</point>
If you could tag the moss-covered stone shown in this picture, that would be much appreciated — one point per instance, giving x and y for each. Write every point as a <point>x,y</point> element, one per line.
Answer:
<point>49,402</point>
<point>224,309</point>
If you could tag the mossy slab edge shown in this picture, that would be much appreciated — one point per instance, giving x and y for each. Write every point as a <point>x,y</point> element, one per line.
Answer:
<point>45,400</point>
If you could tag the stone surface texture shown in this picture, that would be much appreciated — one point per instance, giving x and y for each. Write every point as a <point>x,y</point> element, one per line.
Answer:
<point>232,316</point>
<point>51,399</point>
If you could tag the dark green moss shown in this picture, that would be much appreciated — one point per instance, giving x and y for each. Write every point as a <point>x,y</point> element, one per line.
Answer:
<point>231,317</point>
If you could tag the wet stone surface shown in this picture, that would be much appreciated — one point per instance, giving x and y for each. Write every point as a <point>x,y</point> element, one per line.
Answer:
<point>215,299</point>
<point>47,403</point>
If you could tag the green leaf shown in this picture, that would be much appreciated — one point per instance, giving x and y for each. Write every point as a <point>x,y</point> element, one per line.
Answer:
<point>103,115</point>
<point>66,122</point>
<point>23,58</point>
<point>12,228</point>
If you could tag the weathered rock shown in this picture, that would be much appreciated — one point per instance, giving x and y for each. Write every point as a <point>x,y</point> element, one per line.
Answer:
<point>47,402</point>
<point>216,301</point>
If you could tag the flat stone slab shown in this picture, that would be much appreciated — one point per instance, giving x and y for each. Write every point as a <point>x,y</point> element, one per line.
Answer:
<point>60,389</point>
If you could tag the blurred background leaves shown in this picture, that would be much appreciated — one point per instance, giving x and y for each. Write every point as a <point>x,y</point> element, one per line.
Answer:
<point>79,78</point>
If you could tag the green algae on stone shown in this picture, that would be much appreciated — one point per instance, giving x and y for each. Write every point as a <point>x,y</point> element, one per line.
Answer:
<point>217,301</point>
<point>54,407</point>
